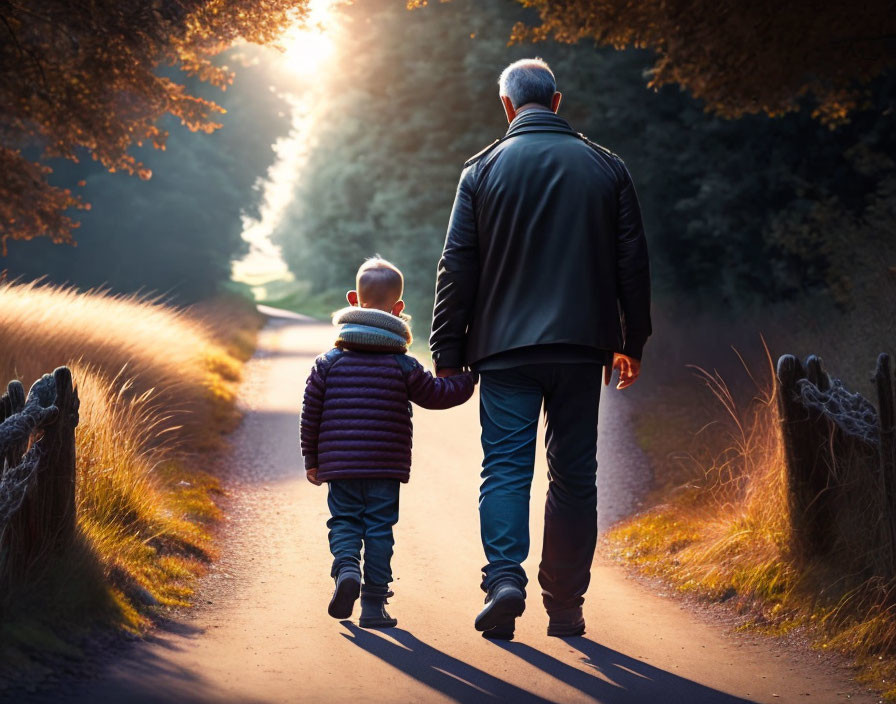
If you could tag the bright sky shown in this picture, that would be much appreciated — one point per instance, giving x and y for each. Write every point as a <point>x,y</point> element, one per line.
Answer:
<point>308,48</point>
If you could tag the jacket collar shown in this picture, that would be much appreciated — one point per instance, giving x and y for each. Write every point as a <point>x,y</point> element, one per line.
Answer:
<point>536,120</point>
<point>370,330</point>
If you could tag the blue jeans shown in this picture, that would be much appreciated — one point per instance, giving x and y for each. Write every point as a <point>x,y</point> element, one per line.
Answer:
<point>363,511</point>
<point>510,403</point>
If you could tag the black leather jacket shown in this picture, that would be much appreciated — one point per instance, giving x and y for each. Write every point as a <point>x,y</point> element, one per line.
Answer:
<point>545,245</point>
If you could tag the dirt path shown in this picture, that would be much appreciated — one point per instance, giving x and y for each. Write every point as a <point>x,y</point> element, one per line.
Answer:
<point>262,633</point>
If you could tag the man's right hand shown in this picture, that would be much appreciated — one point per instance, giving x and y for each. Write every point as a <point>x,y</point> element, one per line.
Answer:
<point>447,371</point>
<point>311,476</point>
<point>629,369</point>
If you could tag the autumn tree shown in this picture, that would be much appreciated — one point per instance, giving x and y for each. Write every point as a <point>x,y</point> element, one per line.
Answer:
<point>741,57</point>
<point>79,79</point>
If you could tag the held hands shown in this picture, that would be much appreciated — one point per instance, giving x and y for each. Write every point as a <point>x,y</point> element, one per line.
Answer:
<point>311,476</point>
<point>629,369</point>
<point>442,372</point>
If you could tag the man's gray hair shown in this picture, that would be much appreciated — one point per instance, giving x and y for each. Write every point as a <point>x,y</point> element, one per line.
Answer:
<point>528,81</point>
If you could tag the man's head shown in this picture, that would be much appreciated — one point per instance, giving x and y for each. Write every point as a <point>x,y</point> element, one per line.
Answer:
<point>528,83</point>
<point>378,284</point>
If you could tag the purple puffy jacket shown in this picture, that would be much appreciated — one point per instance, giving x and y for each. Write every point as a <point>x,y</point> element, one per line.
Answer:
<point>356,415</point>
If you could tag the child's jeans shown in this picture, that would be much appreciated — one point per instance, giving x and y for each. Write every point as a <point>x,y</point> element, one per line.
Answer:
<point>363,511</point>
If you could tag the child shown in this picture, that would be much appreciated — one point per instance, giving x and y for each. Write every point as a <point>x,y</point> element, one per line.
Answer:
<point>356,434</point>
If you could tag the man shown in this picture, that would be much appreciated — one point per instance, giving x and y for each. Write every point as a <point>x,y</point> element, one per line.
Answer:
<point>543,285</point>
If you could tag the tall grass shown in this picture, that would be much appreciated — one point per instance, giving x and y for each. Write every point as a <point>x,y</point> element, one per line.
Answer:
<point>157,386</point>
<point>153,346</point>
<point>724,535</point>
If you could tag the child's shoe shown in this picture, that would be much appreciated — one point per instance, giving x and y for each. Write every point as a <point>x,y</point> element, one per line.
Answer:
<point>348,586</point>
<point>373,607</point>
<point>504,602</point>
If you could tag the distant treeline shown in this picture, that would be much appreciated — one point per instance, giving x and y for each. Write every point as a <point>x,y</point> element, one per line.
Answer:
<point>178,232</point>
<point>745,211</point>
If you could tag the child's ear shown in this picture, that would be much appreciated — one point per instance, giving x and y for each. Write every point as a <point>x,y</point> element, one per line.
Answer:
<point>352,298</point>
<point>397,308</point>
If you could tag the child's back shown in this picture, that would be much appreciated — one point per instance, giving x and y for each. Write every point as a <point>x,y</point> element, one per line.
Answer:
<point>356,435</point>
<point>356,419</point>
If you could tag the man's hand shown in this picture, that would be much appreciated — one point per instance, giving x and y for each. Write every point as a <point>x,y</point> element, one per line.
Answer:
<point>311,476</point>
<point>447,371</point>
<point>629,369</point>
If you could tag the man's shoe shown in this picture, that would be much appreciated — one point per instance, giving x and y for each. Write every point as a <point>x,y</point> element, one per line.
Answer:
<point>503,631</point>
<point>373,608</point>
<point>348,587</point>
<point>566,623</point>
<point>502,604</point>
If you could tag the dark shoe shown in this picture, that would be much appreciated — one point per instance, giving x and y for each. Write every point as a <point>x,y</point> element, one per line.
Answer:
<point>503,631</point>
<point>348,587</point>
<point>373,608</point>
<point>502,604</point>
<point>566,623</point>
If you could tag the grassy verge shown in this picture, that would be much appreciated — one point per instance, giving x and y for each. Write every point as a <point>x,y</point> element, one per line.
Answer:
<point>718,527</point>
<point>157,387</point>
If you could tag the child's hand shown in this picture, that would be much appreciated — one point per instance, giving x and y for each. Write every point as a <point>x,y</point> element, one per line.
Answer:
<point>311,476</point>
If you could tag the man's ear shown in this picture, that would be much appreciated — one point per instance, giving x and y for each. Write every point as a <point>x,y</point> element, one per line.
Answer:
<point>352,298</point>
<point>555,101</point>
<point>509,110</point>
<point>398,307</point>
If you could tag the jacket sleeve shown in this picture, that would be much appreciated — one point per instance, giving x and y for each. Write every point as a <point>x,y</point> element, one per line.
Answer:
<point>632,269</point>
<point>429,391</point>
<point>312,408</point>
<point>457,279</point>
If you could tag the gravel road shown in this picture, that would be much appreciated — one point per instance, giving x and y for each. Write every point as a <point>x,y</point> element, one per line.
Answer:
<point>261,632</point>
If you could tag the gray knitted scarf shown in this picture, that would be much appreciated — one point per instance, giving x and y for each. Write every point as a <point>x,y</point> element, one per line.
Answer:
<point>371,330</point>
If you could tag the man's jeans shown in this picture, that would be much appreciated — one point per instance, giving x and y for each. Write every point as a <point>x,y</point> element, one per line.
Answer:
<point>363,511</point>
<point>510,402</point>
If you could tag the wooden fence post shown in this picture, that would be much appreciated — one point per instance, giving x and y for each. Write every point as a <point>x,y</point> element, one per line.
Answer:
<point>886,417</point>
<point>807,481</point>
<point>12,402</point>
<point>816,374</point>
<point>45,523</point>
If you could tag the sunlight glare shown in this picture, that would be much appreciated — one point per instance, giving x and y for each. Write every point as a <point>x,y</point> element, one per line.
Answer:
<point>308,45</point>
<point>306,49</point>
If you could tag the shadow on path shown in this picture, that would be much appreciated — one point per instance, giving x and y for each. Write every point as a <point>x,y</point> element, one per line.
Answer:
<point>143,671</point>
<point>450,676</point>
<point>618,678</point>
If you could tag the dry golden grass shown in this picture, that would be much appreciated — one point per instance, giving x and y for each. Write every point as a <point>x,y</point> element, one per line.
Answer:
<point>723,535</point>
<point>176,354</point>
<point>157,387</point>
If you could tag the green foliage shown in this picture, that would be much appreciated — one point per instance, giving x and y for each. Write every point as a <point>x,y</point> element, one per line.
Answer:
<point>737,212</point>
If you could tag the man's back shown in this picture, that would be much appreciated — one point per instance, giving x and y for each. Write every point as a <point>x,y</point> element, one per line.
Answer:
<point>553,223</point>
<point>543,275</point>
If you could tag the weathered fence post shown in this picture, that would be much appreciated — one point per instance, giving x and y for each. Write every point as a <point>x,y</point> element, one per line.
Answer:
<point>816,374</point>
<point>886,418</point>
<point>45,522</point>
<point>12,402</point>
<point>807,481</point>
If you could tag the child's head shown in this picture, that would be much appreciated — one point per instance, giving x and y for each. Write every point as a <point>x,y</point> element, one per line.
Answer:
<point>378,284</point>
